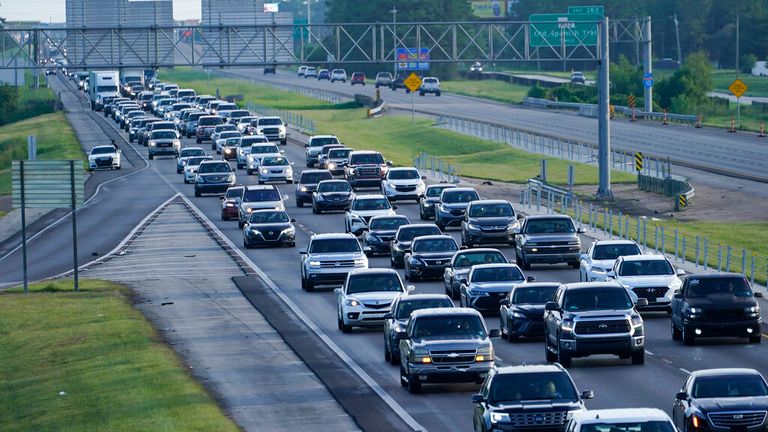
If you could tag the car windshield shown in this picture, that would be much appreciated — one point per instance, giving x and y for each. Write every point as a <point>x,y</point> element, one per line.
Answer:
<point>229,134</point>
<point>164,134</point>
<point>268,217</point>
<point>339,154</point>
<point>209,121</point>
<point>491,210</point>
<point>435,245</point>
<point>406,307</point>
<point>550,226</point>
<point>531,387</point>
<point>226,128</point>
<point>234,192</point>
<point>322,141</point>
<point>578,300</point>
<point>252,195</point>
<point>409,234</point>
<point>465,196</point>
<point>335,186</point>
<point>468,259</point>
<point>460,326</point>
<point>260,149</point>
<point>374,282</point>
<point>371,204</point>
<point>387,223</point>
<point>344,245</point>
<point>367,158</point>
<point>430,80</point>
<point>537,295</point>
<point>403,175</point>
<point>646,268</point>
<point>270,122</point>
<point>192,152</point>
<point>702,287</point>
<point>220,167</point>
<point>638,426</point>
<point>193,161</point>
<point>102,150</point>
<point>435,191</point>
<point>275,161</point>
<point>729,386</point>
<point>314,177</point>
<point>232,142</point>
<point>613,251</point>
<point>497,274</point>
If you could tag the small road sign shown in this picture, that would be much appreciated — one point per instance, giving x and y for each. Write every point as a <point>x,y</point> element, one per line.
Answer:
<point>631,101</point>
<point>648,80</point>
<point>586,9</point>
<point>639,161</point>
<point>738,88</point>
<point>413,82</point>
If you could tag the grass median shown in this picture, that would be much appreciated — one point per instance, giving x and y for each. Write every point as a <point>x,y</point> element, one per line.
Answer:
<point>89,361</point>
<point>499,91</point>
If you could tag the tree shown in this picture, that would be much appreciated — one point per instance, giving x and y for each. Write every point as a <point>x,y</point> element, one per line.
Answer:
<point>626,78</point>
<point>9,99</point>
<point>686,90</point>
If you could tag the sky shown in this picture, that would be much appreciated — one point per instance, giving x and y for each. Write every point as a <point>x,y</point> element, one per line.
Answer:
<point>53,10</point>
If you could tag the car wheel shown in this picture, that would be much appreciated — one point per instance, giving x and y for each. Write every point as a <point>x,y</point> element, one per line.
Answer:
<point>638,357</point>
<point>198,194</point>
<point>563,358</point>
<point>524,263</point>
<point>575,264</point>
<point>299,203</point>
<point>549,355</point>
<point>246,244</point>
<point>437,94</point>
<point>240,223</point>
<point>186,181</point>
<point>198,140</point>
<point>412,277</point>
<point>344,327</point>
<point>150,157</point>
<point>688,337</point>
<point>393,359</point>
<point>414,386</point>
<point>421,93</point>
<point>387,353</point>
<point>676,334</point>
<point>307,285</point>
<point>239,166</point>
<point>249,172</point>
<point>403,377</point>
<point>440,226</point>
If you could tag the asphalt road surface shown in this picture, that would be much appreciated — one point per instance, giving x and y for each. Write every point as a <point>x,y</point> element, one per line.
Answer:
<point>442,407</point>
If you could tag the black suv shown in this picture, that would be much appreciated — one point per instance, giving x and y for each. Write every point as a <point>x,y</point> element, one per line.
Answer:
<point>538,398</point>
<point>381,231</point>
<point>489,221</point>
<point>428,256</point>
<point>307,185</point>
<point>403,239</point>
<point>396,321</point>
<point>332,195</point>
<point>548,239</point>
<point>715,305</point>
<point>522,312</point>
<point>593,318</point>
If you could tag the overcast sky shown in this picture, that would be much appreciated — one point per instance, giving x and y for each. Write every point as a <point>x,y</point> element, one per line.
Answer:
<point>53,10</point>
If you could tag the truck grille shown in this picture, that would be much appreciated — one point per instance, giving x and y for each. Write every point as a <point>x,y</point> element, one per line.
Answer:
<point>104,162</point>
<point>737,419</point>
<point>437,262</point>
<point>722,314</point>
<point>368,172</point>
<point>650,293</point>
<point>271,131</point>
<point>458,212</point>
<point>536,420</point>
<point>340,263</point>
<point>452,357</point>
<point>601,327</point>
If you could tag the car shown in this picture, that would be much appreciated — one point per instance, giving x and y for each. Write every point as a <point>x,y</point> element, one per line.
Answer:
<point>163,142</point>
<point>275,168</point>
<point>332,195</point>
<point>548,239</point>
<point>323,74</point>
<point>213,176</point>
<point>270,70</point>
<point>190,168</point>
<point>244,124</point>
<point>185,154</point>
<point>623,419</point>
<point>235,116</point>
<point>399,82</point>
<point>404,237</point>
<point>315,144</point>
<point>258,197</point>
<point>273,128</point>
<point>487,284</point>
<point>323,154</point>
<point>205,127</point>
<point>50,71</point>
<point>489,222</point>
<point>230,202</point>
<point>457,270</point>
<point>431,198</point>
<point>476,67</point>
<point>652,277</point>
<point>403,184</point>
<point>269,228</point>
<point>105,157</point>
<point>138,126</point>
<point>588,318</point>
<point>357,78</point>
<point>362,209</point>
<point>142,133</point>
<point>246,145</point>
<point>310,72</point>
<point>429,85</point>
<point>396,321</point>
<point>366,297</point>
<point>578,78</point>
<point>521,313</point>
<point>366,168</point>
<point>381,230</point>
<point>722,400</point>
<point>337,160</point>
<point>219,129</point>
<point>228,146</point>
<point>453,205</point>
<point>383,79</point>
<point>714,305</point>
<point>307,185</point>
<point>220,137</point>
<point>301,71</point>
<point>428,257</point>
<point>328,258</point>
<point>601,256</point>
<point>339,75</point>
<point>445,345</point>
<point>259,152</point>
<point>528,397</point>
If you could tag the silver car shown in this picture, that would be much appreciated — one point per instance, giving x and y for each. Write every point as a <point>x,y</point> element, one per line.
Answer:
<point>259,152</point>
<point>275,168</point>
<point>245,148</point>
<point>163,142</point>
<point>329,258</point>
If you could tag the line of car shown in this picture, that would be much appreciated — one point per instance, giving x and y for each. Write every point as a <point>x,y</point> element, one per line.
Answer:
<point>429,84</point>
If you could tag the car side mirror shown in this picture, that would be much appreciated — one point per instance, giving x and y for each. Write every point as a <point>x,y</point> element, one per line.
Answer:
<point>583,257</point>
<point>390,163</point>
<point>302,251</point>
<point>504,302</point>
<point>462,280</point>
<point>641,302</point>
<point>282,151</point>
<point>477,398</point>
<point>681,395</point>
<point>611,274</point>
<point>581,231</point>
<point>337,291</point>
<point>588,394</point>
<point>293,220</point>
<point>394,207</point>
<point>551,306</point>
<point>494,333</point>
<point>423,177</point>
<point>530,279</point>
<point>680,272</point>
<point>410,288</point>
<point>388,316</point>
<point>758,294</point>
<point>678,294</point>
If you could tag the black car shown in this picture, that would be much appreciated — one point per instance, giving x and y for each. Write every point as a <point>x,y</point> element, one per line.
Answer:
<point>269,227</point>
<point>307,185</point>
<point>715,305</point>
<point>722,400</point>
<point>489,221</point>
<point>397,320</point>
<point>521,314</point>
<point>539,398</point>
<point>332,195</point>
<point>213,176</point>
<point>403,238</point>
<point>431,199</point>
<point>457,270</point>
<point>398,82</point>
<point>453,205</point>
<point>381,231</point>
<point>428,256</point>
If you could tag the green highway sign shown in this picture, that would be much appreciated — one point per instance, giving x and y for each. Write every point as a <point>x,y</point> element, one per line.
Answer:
<point>564,29</point>
<point>586,9</point>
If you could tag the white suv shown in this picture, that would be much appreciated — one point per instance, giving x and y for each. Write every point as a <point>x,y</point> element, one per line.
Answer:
<point>652,277</point>
<point>339,75</point>
<point>429,85</point>
<point>329,258</point>
<point>403,183</point>
<point>599,259</point>
<point>363,208</point>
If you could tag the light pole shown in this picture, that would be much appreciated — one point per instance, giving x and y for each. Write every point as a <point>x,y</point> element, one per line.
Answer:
<point>677,37</point>
<point>394,36</point>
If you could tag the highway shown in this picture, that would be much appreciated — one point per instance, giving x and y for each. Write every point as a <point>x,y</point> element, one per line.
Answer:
<point>123,203</point>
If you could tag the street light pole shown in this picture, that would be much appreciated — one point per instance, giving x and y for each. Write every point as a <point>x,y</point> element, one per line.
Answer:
<point>677,36</point>
<point>309,20</point>
<point>394,36</point>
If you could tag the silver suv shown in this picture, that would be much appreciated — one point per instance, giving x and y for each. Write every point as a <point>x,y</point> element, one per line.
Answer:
<point>329,258</point>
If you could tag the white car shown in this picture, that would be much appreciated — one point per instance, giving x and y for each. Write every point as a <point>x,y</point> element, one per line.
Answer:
<point>223,137</point>
<point>275,168</point>
<point>310,72</point>
<point>244,123</point>
<point>105,157</point>
<point>623,419</point>
<point>429,85</point>
<point>301,70</point>
<point>190,168</point>
<point>186,153</point>
<point>339,75</point>
<point>245,148</point>
<point>219,129</point>
<point>314,145</point>
<point>363,208</point>
<point>403,183</point>
<point>259,152</point>
<point>601,256</point>
<point>652,277</point>
<point>273,128</point>
<point>366,297</point>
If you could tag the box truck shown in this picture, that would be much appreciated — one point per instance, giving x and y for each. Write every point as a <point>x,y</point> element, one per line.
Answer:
<point>102,85</point>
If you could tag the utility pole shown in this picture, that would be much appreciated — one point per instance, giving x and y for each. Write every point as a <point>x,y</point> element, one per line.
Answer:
<point>677,36</point>
<point>604,122</point>
<point>309,21</point>
<point>738,71</point>
<point>394,36</point>
<point>647,64</point>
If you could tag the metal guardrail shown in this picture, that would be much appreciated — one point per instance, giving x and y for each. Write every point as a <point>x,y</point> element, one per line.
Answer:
<point>378,110</point>
<point>590,110</point>
<point>444,171</point>
<point>295,121</point>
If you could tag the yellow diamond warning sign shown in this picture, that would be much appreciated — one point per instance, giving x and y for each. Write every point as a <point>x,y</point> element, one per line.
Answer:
<point>738,88</point>
<point>413,82</point>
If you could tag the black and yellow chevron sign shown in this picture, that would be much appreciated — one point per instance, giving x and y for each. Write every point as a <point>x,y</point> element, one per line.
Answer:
<point>639,161</point>
<point>612,111</point>
<point>683,201</point>
<point>631,101</point>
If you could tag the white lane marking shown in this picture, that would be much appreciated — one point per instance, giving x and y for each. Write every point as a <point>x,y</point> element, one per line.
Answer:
<point>399,410</point>
<point>649,353</point>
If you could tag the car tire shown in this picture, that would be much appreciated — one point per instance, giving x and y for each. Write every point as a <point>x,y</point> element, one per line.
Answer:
<point>403,377</point>
<point>676,334</point>
<point>299,203</point>
<point>307,285</point>
<point>755,339</point>
<point>343,327</point>
<point>524,263</point>
<point>198,194</point>
<point>688,337</point>
<point>412,277</point>
<point>186,181</point>
<point>393,359</point>
<point>398,264</point>
<point>249,171</point>
<point>575,264</point>
<point>198,140</point>
<point>563,358</point>
<point>548,355</point>
<point>239,166</point>
<point>638,357</point>
<point>440,226</point>
<point>387,354</point>
<point>240,223</point>
<point>150,157</point>
<point>246,244</point>
<point>413,385</point>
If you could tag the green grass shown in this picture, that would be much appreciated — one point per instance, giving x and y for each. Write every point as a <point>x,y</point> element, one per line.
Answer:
<point>116,372</point>
<point>32,102</point>
<point>488,89</point>
<point>55,140</point>
<point>756,86</point>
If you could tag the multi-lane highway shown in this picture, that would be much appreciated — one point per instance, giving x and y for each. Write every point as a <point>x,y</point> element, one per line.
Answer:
<point>122,203</point>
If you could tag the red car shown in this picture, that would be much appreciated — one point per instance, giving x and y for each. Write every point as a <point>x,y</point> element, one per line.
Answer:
<point>357,78</point>
<point>230,201</point>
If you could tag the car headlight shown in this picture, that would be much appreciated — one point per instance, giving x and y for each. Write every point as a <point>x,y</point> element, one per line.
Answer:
<point>265,171</point>
<point>254,231</point>
<point>361,262</point>
<point>319,197</point>
<point>199,179</point>
<point>637,321</point>
<point>371,238</point>
<point>331,165</point>
<point>352,302</point>
<point>484,354</point>
<point>420,356</point>
<point>288,231</point>
<point>152,143</point>
<point>314,264</point>
<point>289,171</point>
<point>694,311</point>
<point>567,325</point>
<point>474,227</point>
<point>517,315</point>
<point>227,150</point>
<point>475,292</point>
<point>417,262</point>
<point>250,158</point>
<point>351,171</point>
<point>231,178</point>
<point>498,417</point>
<point>398,328</point>
<point>303,189</point>
<point>753,311</point>
<point>599,270</point>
